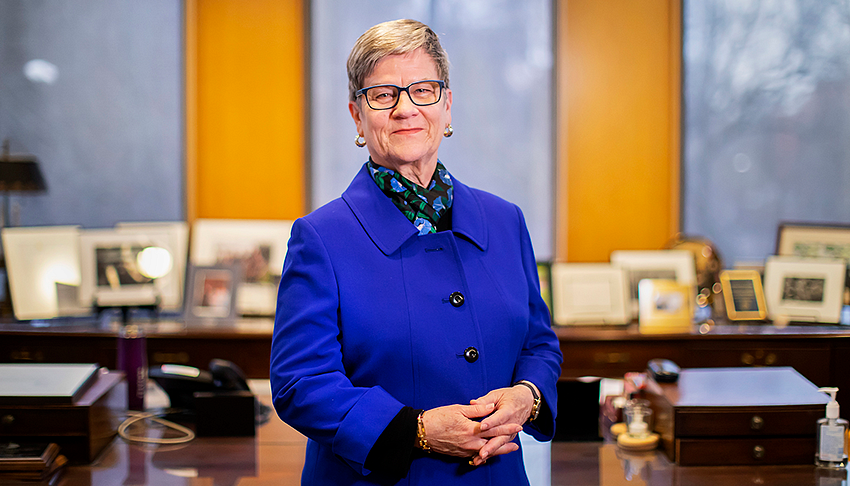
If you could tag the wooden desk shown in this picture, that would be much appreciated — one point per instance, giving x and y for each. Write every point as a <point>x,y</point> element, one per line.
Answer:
<point>246,342</point>
<point>276,456</point>
<point>820,353</point>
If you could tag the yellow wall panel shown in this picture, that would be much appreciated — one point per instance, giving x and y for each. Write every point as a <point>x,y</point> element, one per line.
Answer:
<point>618,108</point>
<point>246,147</point>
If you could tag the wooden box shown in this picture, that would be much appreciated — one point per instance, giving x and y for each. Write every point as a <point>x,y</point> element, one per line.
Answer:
<point>81,428</point>
<point>738,416</point>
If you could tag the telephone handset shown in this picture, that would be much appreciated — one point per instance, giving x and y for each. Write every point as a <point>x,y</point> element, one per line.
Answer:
<point>181,382</point>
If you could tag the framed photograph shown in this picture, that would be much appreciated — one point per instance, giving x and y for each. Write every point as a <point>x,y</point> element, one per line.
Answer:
<point>666,306</point>
<point>804,289</point>
<point>43,268</point>
<point>677,265</point>
<point>816,240</point>
<point>177,233</point>
<point>544,275</point>
<point>211,293</point>
<point>813,240</point>
<point>589,293</point>
<point>257,246</point>
<point>743,295</point>
<point>115,271</point>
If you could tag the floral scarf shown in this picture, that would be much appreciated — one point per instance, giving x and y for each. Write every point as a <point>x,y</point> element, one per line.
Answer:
<point>423,207</point>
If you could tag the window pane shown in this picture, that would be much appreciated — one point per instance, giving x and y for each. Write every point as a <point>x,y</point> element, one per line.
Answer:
<point>501,78</point>
<point>767,119</point>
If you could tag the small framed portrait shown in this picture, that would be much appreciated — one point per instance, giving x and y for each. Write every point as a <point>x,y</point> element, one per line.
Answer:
<point>258,247</point>
<point>676,265</point>
<point>666,306</point>
<point>119,269</point>
<point>589,293</point>
<point>211,292</point>
<point>743,295</point>
<point>804,289</point>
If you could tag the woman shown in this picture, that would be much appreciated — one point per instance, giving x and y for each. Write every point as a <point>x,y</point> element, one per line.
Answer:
<point>411,343</point>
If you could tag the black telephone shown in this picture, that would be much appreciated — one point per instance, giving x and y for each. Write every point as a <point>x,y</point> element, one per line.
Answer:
<point>181,382</point>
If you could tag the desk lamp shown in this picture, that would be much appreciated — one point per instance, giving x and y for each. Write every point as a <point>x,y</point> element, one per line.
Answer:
<point>19,174</point>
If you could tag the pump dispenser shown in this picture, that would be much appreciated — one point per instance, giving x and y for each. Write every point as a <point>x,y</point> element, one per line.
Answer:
<point>832,431</point>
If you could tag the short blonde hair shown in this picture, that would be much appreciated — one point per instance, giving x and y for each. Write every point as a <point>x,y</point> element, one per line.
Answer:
<point>388,38</point>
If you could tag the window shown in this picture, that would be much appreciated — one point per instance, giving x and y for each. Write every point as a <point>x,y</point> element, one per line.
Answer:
<point>767,120</point>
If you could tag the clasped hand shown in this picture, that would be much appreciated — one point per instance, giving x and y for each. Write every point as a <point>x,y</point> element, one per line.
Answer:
<point>452,429</point>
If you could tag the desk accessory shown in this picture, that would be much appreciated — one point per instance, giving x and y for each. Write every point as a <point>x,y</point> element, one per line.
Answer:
<point>666,306</point>
<point>737,416</point>
<point>589,293</point>
<point>832,432</point>
<point>804,289</point>
<point>29,461</point>
<point>258,246</point>
<point>81,426</point>
<point>38,261</point>
<point>743,295</point>
<point>45,384</point>
<point>677,265</point>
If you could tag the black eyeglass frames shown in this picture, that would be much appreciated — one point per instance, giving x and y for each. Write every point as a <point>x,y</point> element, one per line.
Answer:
<point>385,96</point>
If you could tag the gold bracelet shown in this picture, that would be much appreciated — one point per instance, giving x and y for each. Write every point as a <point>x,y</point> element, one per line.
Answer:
<point>420,433</point>
<point>535,406</point>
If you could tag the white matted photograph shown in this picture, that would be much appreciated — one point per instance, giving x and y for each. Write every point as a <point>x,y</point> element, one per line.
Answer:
<point>257,246</point>
<point>125,269</point>
<point>43,265</point>
<point>177,233</point>
<point>677,265</point>
<point>589,293</point>
<point>804,289</point>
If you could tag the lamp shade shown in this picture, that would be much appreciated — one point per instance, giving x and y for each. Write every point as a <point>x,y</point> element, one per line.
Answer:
<point>20,174</point>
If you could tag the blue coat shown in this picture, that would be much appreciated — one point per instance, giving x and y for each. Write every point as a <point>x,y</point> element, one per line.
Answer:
<point>365,325</point>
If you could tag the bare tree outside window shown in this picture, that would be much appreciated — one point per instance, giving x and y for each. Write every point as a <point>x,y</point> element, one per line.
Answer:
<point>766,119</point>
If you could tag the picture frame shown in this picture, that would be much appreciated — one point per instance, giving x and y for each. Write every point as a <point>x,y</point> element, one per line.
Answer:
<point>544,276</point>
<point>588,294</point>
<point>804,289</point>
<point>177,233</point>
<point>813,240</point>
<point>743,295</point>
<point>110,274</point>
<point>43,267</point>
<point>259,246</point>
<point>666,306</point>
<point>211,293</point>
<point>816,240</point>
<point>677,265</point>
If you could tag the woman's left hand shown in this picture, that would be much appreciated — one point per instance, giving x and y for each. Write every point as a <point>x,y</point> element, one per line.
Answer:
<point>512,408</point>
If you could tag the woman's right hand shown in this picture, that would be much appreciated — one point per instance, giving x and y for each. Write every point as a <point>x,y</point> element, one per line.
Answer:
<point>450,429</point>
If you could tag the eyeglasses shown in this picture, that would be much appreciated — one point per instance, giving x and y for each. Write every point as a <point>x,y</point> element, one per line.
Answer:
<point>385,96</point>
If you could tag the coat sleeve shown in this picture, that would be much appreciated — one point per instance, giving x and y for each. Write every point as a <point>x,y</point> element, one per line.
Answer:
<point>310,389</point>
<point>540,359</point>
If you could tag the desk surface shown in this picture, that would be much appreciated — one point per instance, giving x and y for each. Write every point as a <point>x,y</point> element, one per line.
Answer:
<point>276,455</point>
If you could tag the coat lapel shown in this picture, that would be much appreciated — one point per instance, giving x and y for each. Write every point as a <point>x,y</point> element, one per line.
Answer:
<point>389,229</point>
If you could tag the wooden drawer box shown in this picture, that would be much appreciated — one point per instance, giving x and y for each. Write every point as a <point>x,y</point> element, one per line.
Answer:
<point>738,416</point>
<point>81,429</point>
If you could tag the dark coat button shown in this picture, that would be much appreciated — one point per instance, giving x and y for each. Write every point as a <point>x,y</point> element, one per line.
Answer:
<point>470,354</point>
<point>456,299</point>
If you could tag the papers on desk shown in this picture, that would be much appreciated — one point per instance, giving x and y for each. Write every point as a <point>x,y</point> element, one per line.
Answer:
<point>45,384</point>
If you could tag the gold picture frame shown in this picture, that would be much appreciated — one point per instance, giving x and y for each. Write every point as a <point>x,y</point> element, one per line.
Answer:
<point>743,295</point>
<point>666,307</point>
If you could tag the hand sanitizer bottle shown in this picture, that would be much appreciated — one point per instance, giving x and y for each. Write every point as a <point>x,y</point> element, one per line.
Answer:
<point>831,433</point>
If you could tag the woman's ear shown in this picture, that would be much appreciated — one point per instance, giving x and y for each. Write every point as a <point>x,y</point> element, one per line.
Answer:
<point>354,109</point>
